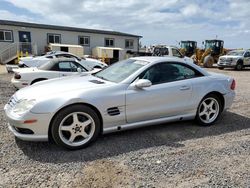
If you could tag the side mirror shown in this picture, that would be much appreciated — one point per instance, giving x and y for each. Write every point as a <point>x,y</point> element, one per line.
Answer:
<point>143,83</point>
<point>79,70</point>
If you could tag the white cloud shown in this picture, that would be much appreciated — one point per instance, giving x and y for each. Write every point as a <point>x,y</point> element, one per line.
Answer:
<point>157,21</point>
<point>191,10</point>
<point>6,15</point>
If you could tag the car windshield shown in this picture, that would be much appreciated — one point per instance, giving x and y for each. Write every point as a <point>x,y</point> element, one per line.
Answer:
<point>236,53</point>
<point>121,70</point>
<point>46,66</point>
<point>87,64</point>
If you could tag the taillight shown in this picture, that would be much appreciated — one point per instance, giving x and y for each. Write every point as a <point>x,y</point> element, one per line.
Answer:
<point>17,76</point>
<point>233,85</point>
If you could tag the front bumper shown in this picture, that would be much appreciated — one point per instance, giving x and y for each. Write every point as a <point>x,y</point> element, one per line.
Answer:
<point>37,131</point>
<point>225,64</point>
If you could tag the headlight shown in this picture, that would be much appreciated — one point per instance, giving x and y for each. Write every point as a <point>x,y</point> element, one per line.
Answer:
<point>23,106</point>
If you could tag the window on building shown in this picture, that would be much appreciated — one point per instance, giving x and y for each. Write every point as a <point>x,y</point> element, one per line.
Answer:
<point>129,43</point>
<point>54,38</point>
<point>109,42</point>
<point>6,36</point>
<point>84,40</point>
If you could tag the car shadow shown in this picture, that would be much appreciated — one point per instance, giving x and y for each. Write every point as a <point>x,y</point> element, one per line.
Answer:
<point>109,145</point>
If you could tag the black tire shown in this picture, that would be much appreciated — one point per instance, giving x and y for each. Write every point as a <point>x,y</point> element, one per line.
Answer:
<point>239,66</point>
<point>221,68</point>
<point>58,119</point>
<point>208,61</point>
<point>38,80</point>
<point>200,119</point>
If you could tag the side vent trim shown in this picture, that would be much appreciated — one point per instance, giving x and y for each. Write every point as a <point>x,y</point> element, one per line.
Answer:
<point>114,111</point>
<point>96,81</point>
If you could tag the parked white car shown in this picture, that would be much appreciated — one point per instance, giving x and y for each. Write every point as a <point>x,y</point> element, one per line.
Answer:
<point>38,61</point>
<point>132,93</point>
<point>52,69</point>
<point>163,50</point>
<point>237,59</point>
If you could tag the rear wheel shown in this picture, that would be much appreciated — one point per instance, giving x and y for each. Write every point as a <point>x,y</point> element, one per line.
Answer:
<point>209,110</point>
<point>75,127</point>
<point>221,68</point>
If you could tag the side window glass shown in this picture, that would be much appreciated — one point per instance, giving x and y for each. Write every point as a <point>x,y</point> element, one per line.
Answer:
<point>167,72</point>
<point>176,53</point>
<point>184,72</point>
<point>75,65</point>
<point>64,66</point>
<point>247,54</point>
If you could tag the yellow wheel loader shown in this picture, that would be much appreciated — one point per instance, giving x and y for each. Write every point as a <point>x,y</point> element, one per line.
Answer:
<point>210,54</point>
<point>188,47</point>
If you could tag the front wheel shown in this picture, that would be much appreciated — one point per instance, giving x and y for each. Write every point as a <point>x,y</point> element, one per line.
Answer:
<point>75,127</point>
<point>208,61</point>
<point>208,110</point>
<point>239,66</point>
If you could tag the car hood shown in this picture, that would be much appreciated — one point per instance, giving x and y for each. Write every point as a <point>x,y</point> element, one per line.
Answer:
<point>58,86</point>
<point>34,61</point>
<point>231,56</point>
<point>30,58</point>
<point>188,59</point>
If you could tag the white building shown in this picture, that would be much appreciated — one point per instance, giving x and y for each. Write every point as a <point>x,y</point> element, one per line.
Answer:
<point>34,38</point>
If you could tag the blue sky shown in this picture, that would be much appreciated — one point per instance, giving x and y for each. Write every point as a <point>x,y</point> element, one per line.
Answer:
<point>159,22</point>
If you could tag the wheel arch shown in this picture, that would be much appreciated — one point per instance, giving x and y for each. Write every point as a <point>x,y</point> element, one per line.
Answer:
<point>37,80</point>
<point>219,95</point>
<point>79,103</point>
<point>240,61</point>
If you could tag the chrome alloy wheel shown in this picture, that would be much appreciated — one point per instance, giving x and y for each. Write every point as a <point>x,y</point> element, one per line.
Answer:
<point>209,110</point>
<point>76,129</point>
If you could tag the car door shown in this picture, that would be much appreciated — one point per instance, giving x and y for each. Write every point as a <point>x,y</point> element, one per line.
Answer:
<point>68,68</point>
<point>247,58</point>
<point>169,95</point>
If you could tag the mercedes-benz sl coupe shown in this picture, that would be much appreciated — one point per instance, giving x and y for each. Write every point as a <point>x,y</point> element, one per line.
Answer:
<point>132,93</point>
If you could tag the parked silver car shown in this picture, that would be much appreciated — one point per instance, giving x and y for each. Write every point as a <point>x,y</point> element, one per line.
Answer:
<point>132,93</point>
<point>237,59</point>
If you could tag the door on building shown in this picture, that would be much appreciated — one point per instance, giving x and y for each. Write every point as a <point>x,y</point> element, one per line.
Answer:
<point>115,56</point>
<point>25,41</point>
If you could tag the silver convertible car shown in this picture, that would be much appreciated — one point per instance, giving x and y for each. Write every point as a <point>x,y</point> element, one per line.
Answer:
<point>132,93</point>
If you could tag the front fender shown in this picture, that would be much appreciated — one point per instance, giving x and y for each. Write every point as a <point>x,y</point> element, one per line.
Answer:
<point>53,105</point>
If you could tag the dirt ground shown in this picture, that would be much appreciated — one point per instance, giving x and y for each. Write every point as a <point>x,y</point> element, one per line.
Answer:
<point>178,154</point>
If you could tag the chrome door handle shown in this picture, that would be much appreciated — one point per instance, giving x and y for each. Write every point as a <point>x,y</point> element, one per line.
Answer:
<point>64,75</point>
<point>184,88</point>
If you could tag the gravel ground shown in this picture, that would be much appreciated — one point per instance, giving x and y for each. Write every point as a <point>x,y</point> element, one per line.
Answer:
<point>171,155</point>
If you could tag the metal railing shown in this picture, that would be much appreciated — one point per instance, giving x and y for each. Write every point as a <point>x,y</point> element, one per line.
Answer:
<point>11,51</point>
